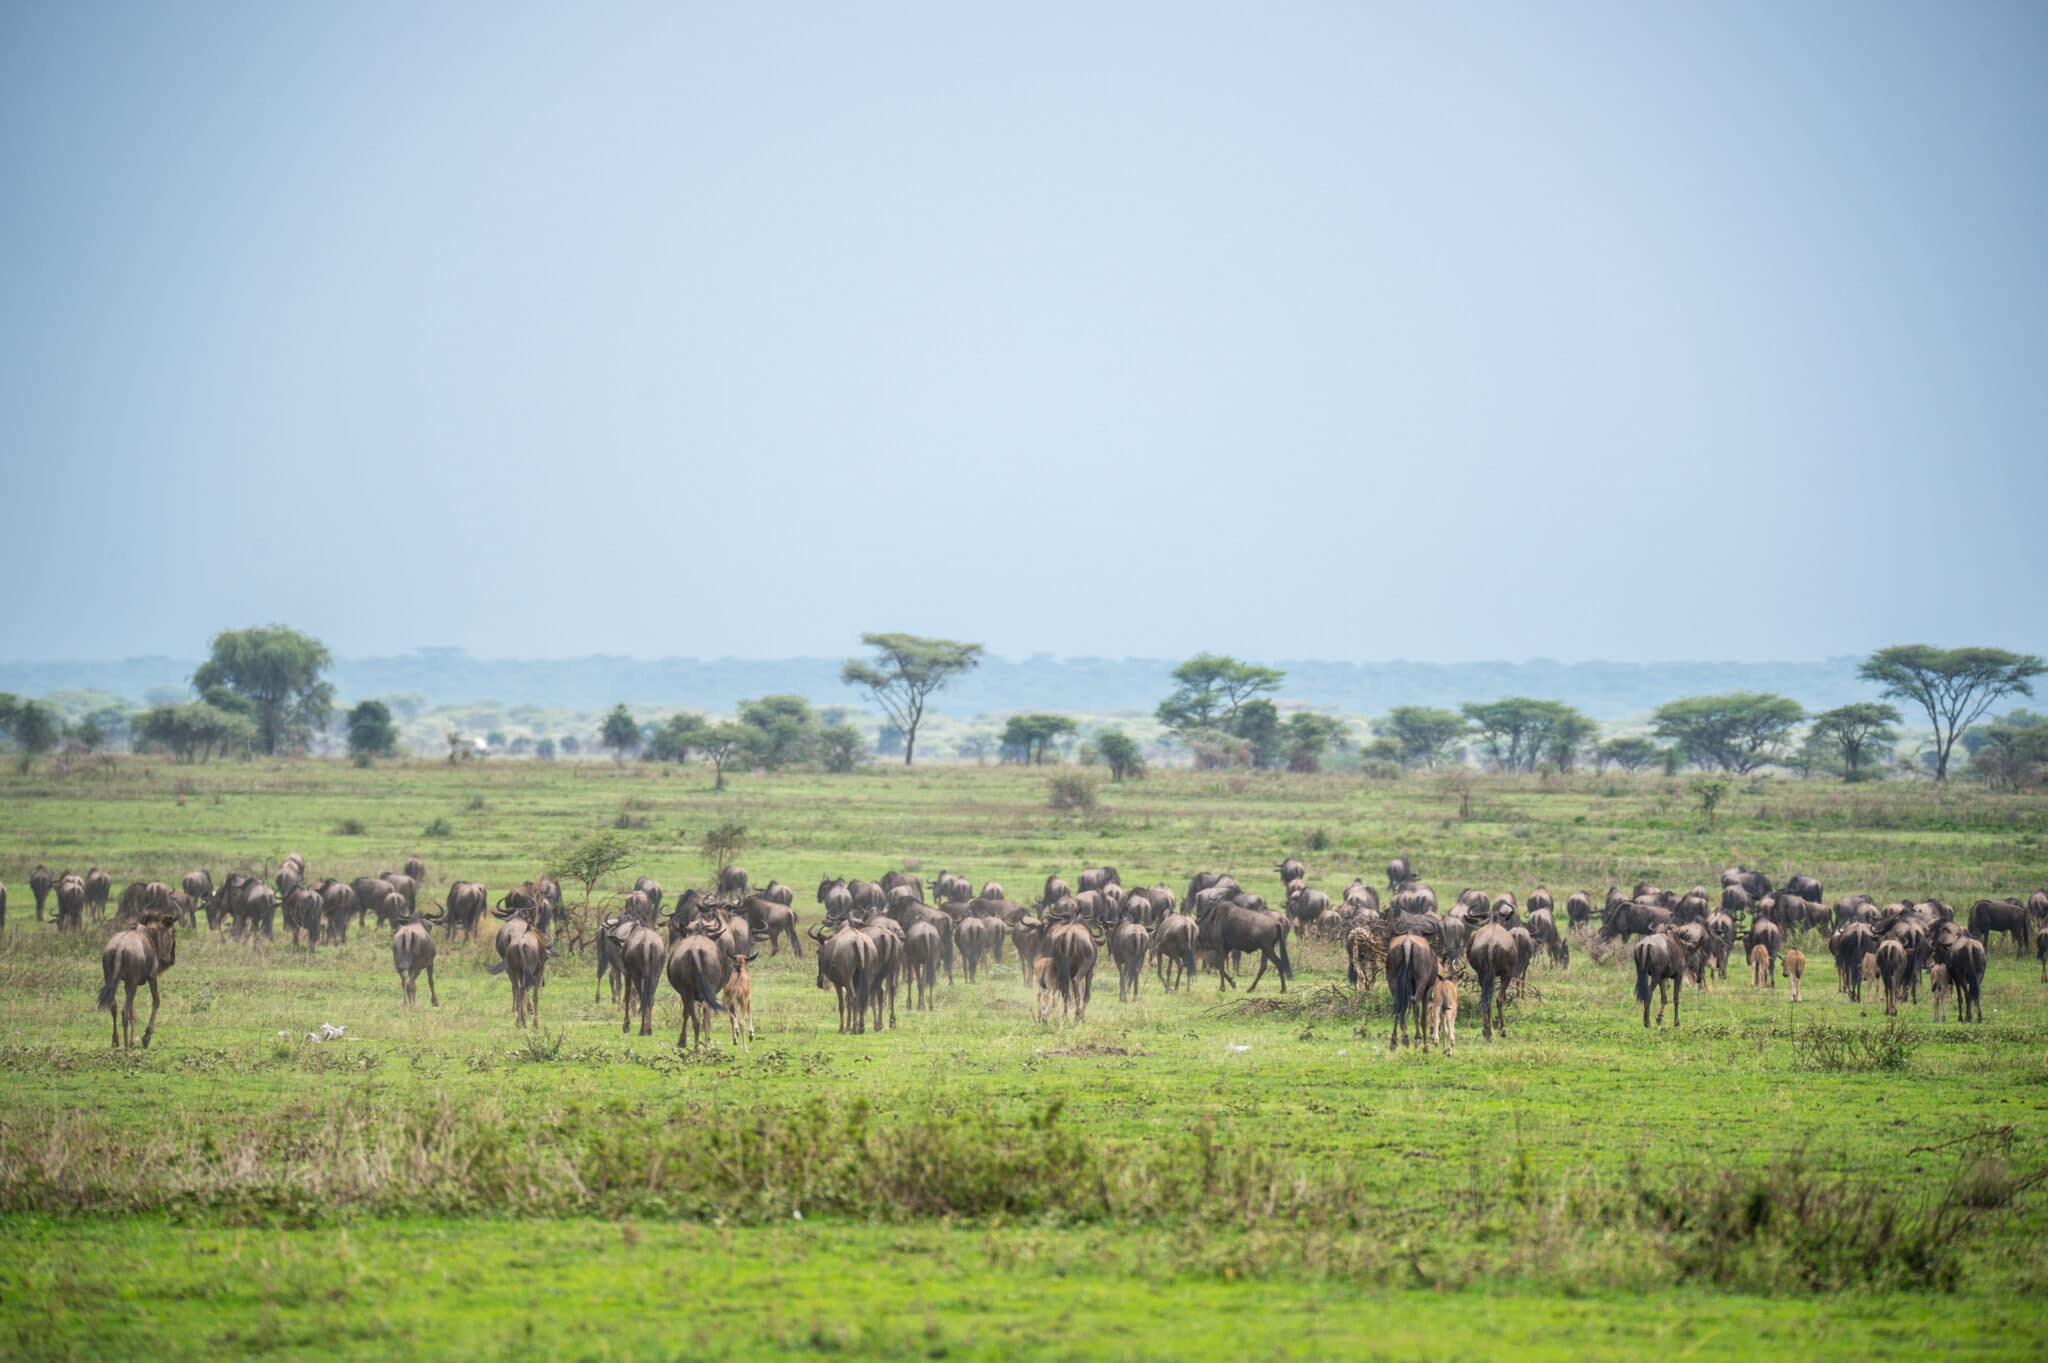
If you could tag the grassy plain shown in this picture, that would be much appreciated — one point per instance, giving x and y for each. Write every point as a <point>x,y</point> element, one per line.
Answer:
<point>1178,1177</point>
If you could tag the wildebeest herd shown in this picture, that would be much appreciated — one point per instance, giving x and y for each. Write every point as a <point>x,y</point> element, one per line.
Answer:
<point>884,938</point>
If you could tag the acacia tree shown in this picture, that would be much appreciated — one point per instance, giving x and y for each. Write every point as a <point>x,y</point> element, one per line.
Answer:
<point>276,672</point>
<point>1211,690</point>
<point>1309,736</point>
<point>1518,732</point>
<point>1119,753</point>
<point>722,744</point>
<point>619,733</point>
<point>31,725</point>
<point>1425,737</point>
<point>1859,732</point>
<point>1630,754</point>
<point>903,674</point>
<point>785,729</point>
<point>1955,686</point>
<point>371,734</point>
<point>585,861</point>
<point>1738,732</point>
<point>1029,736</point>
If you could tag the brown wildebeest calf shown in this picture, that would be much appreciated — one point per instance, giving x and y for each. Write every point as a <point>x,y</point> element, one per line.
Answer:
<point>739,1001</point>
<point>1868,973</point>
<point>134,958</point>
<point>1443,1014</point>
<point>1795,969</point>
<point>1761,975</point>
<point>1937,984</point>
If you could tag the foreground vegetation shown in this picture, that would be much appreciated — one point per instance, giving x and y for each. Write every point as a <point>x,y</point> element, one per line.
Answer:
<point>1174,1177</point>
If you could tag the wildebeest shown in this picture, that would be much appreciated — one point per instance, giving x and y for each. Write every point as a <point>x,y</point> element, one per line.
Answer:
<point>773,921</point>
<point>98,885</point>
<point>523,960</point>
<point>303,912</point>
<point>132,958</point>
<point>2008,916</point>
<point>1892,965</point>
<point>1965,964</point>
<point>1290,871</point>
<point>1095,877</point>
<point>1128,947</point>
<point>1056,889</point>
<point>1543,927</point>
<point>641,954</point>
<point>846,961</point>
<point>70,902</point>
<point>696,971</point>
<point>1173,950</point>
<point>412,950</point>
<point>921,962</point>
<point>199,884</point>
<point>465,906</point>
<point>975,936</point>
<point>1070,948</point>
<point>1398,873</point>
<point>1761,975</point>
<point>1443,1014</point>
<point>1492,956</point>
<point>1937,986</point>
<point>1305,906</point>
<point>1626,918</point>
<point>1411,980</point>
<point>1227,926</point>
<point>337,902</point>
<point>887,935</point>
<point>739,1001</point>
<point>1578,910</point>
<point>39,882</point>
<point>1660,959</point>
<point>1795,970</point>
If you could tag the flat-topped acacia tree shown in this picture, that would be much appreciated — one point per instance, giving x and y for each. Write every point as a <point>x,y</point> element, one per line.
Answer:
<point>903,674</point>
<point>1955,686</point>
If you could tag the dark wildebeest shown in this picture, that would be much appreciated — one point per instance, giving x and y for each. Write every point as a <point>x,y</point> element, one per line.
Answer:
<point>772,920</point>
<point>337,902</point>
<point>1543,927</point>
<point>405,885</point>
<point>1627,918</point>
<point>412,950</point>
<point>39,882</point>
<point>2008,916</point>
<point>1806,887</point>
<point>1411,980</point>
<point>1492,956</point>
<point>1056,889</point>
<point>465,906</point>
<point>641,954</point>
<point>1305,906</point>
<point>370,891</point>
<point>887,935</point>
<point>3,904</point>
<point>1398,874</point>
<point>199,884</point>
<point>417,869</point>
<point>1096,877</point>
<point>948,888</point>
<point>696,970</point>
<point>921,963</point>
<point>133,958</point>
<point>1893,964</point>
<point>1965,961</point>
<point>1578,910</point>
<point>1768,935</point>
<point>1175,947</point>
<point>846,961</point>
<point>1290,871</point>
<point>303,911</point>
<point>974,937</point>
<point>1659,959</point>
<point>1849,946</point>
<point>1070,949</point>
<point>650,887</point>
<point>732,880</point>
<point>1128,946</point>
<point>1226,927</point>
<point>775,892</point>
<point>523,960</point>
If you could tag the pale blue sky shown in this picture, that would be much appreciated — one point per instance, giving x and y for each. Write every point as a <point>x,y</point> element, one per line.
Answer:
<point>1638,331</point>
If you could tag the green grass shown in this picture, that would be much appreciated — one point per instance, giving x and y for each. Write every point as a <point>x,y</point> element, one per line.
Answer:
<point>1134,1185</point>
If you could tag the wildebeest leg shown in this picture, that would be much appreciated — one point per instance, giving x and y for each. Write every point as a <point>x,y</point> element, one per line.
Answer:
<point>433,996</point>
<point>154,999</point>
<point>1264,957</point>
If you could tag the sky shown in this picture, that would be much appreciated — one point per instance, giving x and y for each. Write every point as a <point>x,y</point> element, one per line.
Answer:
<point>1639,331</point>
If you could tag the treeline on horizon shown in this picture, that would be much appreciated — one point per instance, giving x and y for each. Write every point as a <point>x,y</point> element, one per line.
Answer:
<point>271,690</point>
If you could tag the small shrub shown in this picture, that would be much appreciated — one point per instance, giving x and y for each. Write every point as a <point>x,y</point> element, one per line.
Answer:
<point>350,828</point>
<point>1833,1049</point>
<point>1318,840</point>
<point>476,804</point>
<point>539,1047</point>
<point>1074,792</point>
<point>439,828</point>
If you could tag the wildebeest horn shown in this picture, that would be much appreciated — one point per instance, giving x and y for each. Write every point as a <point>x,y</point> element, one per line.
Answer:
<point>501,912</point>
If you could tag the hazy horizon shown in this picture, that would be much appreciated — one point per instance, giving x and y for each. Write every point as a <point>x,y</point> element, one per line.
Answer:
<point>1650,334</point>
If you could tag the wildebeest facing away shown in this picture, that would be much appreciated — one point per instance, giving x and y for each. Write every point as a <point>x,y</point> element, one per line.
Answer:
<point>133,958</point>
<point>1659,960</point>
<point>1173,950</point>
<point>1128,946</point>
<point>465,906</point>
<point>39,882</point>
<point>1411,980</point>
<point>773,921</point>
<point>523,960</point>
<point>846,962</point>
<point>98,885</point>
<point>412,950</point>
<point>70,903</point>
<point>696,971</point>
<point>1492,956</point>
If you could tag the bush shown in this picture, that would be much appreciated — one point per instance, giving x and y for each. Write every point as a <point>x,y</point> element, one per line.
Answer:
<point>439,828</point>
<point>1838,1049</point>
<point>350,828</point>
<point>1074,792</point>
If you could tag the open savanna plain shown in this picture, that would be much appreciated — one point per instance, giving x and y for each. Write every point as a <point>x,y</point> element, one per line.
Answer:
<point>1185,1176</point>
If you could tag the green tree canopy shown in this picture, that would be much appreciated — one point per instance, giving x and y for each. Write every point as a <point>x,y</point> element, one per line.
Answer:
<point>277,672</point>
<point>841,747</point>
<point>1518,732</point>
<point>1630,754</point>
<point>1738,732</point>
<point>1028,736</point>
<point>1309,736</point>
<point>195,730</point>
<point>903,674</point>
<point>620,733</point>
<point>726,743</point>
<point>1257,722</point>
<point>1425,737</point>
<point>1210,690</point>
<point>371,734</point>
<point>678,737</point>
<point>31,724</point>
<point>785,730</point>
<point>1955,686</point>
<point>1859,732</point>
<point>1119,753</point>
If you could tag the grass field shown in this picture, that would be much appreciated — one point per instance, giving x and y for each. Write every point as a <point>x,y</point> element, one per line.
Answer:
<point>1179,1177</point>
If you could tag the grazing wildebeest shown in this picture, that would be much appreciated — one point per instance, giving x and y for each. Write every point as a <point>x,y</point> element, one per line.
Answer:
<point>846,961</point>
<point>1305,906</point>
<point>1173,950</point>
<point>921,963</point>
<point>412,950</point>
<point>1491,954</point>
<point>1228,926</point>
<point>1398,873</point>
<point>697,971</point>
<point>39,882</point>
<point>1411,979</point>
<point>772,920</point>
<point>1095,877</point>
<point>132,958</point>
<point>1128,946</point>
<point>1795,970</point>
<point>1626,918</point>
<point>1660,959</point>
<point>2008,916</point>
<point>1443,1014</point>
<point>523,960</point>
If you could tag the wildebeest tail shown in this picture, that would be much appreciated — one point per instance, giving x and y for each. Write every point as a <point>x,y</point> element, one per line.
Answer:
<point>648,984</point>
<point>707,994</point>
<point>1286,966</point>
<point>106,1004</point>
<point>498,969</point>
<point>1643,978</point>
